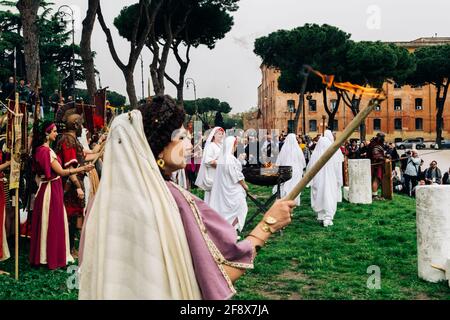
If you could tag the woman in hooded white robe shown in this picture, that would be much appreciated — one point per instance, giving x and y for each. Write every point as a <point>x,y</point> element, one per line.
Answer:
<point>86,181</point>
<point>338,158</point>
<point>207,171</point>
<point>324,193</point>
<point>291,155</point>
<point>228,196</point>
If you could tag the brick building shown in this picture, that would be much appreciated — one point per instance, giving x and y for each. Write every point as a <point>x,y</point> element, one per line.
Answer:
<point>408,112</point>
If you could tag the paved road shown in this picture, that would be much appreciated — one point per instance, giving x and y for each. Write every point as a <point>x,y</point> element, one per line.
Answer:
<point>441,156</point>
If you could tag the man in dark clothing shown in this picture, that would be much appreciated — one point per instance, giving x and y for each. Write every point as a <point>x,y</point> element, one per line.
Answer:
<point>353,150</point>
<point>8,89</point>
<point>392,154</point>
<point>446,178</point>
<point>433,174</point>
<point>54,100</point>
<point>24,92</point>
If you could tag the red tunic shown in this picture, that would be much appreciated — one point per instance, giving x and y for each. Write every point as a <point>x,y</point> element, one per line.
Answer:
<point>71,153</point>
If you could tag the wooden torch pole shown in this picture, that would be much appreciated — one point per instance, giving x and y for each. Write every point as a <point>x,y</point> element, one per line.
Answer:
<point>309,175</point>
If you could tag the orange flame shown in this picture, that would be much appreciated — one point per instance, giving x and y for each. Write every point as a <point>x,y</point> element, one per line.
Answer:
<point>355,89</point>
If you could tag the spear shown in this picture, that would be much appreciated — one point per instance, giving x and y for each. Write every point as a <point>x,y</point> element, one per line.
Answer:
<point>309,175</point>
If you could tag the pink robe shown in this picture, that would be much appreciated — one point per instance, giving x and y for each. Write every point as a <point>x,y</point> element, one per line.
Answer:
<point>213,283</point>
<point>49,213</point>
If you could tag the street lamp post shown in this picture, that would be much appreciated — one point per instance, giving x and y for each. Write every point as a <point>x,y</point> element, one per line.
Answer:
<point>188,82</point>
<point>142,77</point>
<point>99,81</point>
<point>62,14</point>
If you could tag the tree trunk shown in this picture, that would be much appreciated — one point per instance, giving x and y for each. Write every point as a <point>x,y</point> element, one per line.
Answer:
<point>85,49</point>
<point>331,113</point>
<point>131,89</point>
<point>180,86</point>
<point>440,103</point>
<point>138,40</point>
<point>28,13</point>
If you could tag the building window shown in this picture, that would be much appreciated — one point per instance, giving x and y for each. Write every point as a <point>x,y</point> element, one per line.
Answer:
<point>419,104</point>
<point>355,103</point>
<point>291,105</point>
<point>419,124</point>
<point>377,107</point>
<point>397,104</point>
<point>312,105</point>
<point>333,104</point>
<point>312,125</point>
<point>335,125</point>
<point>377,124</point>
<point>398,124</point>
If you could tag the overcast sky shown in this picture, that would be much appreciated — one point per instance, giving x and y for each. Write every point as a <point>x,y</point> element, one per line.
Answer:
<point>230,72</point>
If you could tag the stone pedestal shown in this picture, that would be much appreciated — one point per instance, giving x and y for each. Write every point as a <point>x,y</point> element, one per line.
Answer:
<point>345,192</point>
<point>433,230</point>
<point>360,181</point>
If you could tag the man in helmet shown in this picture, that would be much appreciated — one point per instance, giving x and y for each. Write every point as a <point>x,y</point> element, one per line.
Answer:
<point>70,150</point>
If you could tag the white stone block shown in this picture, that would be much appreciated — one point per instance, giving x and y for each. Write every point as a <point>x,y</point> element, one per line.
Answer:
<point>433,230</point>
<point>345,192</point>
<point>360,181</point>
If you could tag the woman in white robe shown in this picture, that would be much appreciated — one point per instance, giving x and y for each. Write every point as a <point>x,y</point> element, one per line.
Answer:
<point>228,194</point>
<point>324,194</point>
<point>338,158</point>
<point>86,181</point>
<point>291,155</point>
<point>207,171</point>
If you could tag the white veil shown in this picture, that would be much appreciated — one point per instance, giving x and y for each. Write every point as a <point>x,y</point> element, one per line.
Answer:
<point>338,159</point>
<point>135,245</point>
<point>324,191</point>
<point>291,155</point>
<point>200,181</point>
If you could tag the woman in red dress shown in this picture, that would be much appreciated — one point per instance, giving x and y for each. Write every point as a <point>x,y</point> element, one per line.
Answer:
<point>4,250</point>
<point>49,228</point>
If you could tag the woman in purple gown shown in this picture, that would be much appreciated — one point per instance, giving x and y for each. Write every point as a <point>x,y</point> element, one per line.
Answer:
<point>146,237</point>
<point>49,229</point>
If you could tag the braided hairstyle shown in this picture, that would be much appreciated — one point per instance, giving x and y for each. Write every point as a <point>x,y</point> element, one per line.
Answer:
<point>161,117</point>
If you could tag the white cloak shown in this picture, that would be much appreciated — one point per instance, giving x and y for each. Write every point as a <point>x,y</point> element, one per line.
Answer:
<point>207,172</point>
<point>228,197</point>
<point>338,159</point>
<point>291,155</point>
<point>324,194</point>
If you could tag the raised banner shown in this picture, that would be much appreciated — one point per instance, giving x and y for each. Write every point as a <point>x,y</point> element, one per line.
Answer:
<point>100,109</point>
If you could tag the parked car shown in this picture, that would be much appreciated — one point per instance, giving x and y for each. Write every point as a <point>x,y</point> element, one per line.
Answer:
<point>445,144</point>
<point>409,144</point>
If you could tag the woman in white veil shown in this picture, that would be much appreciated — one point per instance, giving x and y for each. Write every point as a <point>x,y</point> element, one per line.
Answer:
<point>338,159</point>
<point>228,194</point>
<point>324,193</point>
<point>291,155</point>
<point>211,153</point>
<point>134,243</point>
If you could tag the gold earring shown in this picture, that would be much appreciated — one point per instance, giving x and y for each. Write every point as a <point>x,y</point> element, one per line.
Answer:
<point>161,163</point>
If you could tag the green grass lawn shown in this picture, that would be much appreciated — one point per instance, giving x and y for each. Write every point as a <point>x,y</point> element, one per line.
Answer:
<point>306,262</point>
